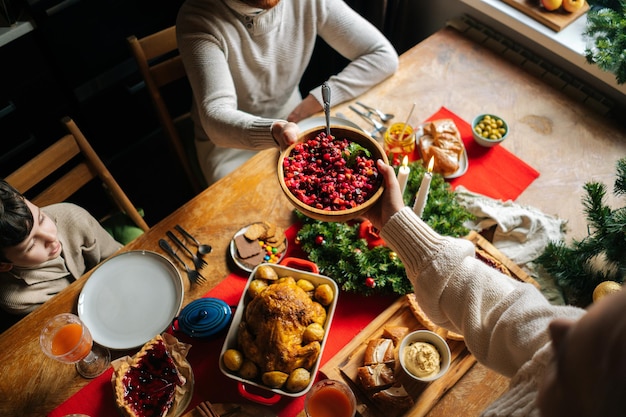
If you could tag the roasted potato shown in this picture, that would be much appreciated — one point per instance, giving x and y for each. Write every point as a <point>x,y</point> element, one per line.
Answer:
<point>248,370</point>
<point>298,380</point>
<point>233,359</point>
<point>324,294</point>
<point>313,333</point>
<point>274,379</point>
<point>306,285</point>
<point>256,286</point>
<point>266,272</point>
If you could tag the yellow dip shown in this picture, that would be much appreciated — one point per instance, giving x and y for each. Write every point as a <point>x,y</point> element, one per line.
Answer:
<point>422,359</point>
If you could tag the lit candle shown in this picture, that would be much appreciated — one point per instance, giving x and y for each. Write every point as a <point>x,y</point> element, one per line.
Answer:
<point>403,174</point>
<point>422,195</point>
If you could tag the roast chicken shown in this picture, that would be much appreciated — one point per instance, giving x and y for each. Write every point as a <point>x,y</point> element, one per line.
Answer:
<point>271,333</point>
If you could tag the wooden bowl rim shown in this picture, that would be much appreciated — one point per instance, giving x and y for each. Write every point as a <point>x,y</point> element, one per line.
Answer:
<point>324,215</point>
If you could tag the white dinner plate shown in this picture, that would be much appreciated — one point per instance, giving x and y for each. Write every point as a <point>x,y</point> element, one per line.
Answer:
<point>130,298</point>
<point>312,122</point>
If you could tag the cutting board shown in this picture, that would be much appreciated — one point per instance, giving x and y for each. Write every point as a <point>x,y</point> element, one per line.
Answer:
<point>344,365</point>
<point>556,20</point>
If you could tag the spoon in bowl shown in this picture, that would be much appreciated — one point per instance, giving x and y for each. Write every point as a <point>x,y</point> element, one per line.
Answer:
<point>326,98</point>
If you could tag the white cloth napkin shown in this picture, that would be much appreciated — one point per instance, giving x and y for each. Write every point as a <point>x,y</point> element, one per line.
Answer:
<point>521,233</point>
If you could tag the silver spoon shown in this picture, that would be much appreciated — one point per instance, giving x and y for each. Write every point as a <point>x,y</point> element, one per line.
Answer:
<point>198,262</point>
<point>384,117</point>
<point>203,249</point>
<point>326,98</point>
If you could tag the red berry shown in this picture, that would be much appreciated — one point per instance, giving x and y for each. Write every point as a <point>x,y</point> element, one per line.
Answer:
<point>369,281</point>
<point>319,240</point>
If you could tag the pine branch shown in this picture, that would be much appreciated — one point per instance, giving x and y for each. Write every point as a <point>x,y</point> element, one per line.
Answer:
<point>600,256</point>
<point>606,28</point>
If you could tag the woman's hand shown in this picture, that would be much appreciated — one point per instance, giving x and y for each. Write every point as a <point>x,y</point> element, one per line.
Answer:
<point>391,201</point>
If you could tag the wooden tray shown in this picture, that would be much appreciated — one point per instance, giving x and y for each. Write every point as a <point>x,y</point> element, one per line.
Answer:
<point>344,364</point>
<point>556,20</point>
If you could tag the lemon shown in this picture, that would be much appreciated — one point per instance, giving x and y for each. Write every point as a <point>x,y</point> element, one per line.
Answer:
<point>605,288</point>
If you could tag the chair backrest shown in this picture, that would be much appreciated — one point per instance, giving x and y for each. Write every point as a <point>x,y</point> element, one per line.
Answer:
<point>160,64</point>
<point>69,164</point>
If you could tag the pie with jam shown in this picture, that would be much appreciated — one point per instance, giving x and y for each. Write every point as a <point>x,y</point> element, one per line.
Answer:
<point>147,384</point>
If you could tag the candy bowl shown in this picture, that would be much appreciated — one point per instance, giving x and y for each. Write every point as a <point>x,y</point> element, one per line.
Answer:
<point>332,179</point>
<point>489,130</point>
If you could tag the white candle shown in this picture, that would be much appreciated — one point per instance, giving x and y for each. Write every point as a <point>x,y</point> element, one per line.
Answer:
<point>422,195</point>
<point>403,174</point>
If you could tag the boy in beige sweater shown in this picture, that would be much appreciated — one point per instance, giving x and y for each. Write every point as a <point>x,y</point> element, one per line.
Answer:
<point>43,250</point>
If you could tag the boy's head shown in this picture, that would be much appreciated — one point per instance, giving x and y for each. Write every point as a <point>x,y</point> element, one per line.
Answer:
<point>28,237</point>
<point>16,219</point>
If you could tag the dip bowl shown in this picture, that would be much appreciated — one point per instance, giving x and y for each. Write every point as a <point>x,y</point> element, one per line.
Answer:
<point>431,338</point>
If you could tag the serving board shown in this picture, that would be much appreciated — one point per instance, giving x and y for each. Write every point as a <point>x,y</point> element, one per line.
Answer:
<point>556,20</point>
<point>344,365</point>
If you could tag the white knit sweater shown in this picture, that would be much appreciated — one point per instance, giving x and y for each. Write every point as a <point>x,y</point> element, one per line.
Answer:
<point>245,66</point>
<point>504,321</point>
<point>85,243</point>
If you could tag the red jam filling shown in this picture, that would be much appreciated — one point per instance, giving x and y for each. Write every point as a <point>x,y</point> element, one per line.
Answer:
<point>150,385</point>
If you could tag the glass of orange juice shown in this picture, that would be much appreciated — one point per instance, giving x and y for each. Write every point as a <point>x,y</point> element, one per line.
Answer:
<point>66,339</point>
<point>330,398</point>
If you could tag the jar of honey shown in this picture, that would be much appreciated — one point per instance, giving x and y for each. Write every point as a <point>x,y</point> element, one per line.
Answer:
<point>396,145</point>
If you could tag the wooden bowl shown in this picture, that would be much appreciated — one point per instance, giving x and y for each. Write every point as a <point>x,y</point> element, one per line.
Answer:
<point>339,132</point>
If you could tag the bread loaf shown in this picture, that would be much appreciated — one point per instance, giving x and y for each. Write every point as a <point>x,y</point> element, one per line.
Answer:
<point>379,351</point>
<point>442,142</point>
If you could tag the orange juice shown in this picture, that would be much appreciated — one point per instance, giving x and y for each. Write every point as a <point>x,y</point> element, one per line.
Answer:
<point>68,342</point>
<point>331,400</point>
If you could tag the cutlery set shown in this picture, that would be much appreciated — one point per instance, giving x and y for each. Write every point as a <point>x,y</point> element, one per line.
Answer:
<point>379,127</point>
<point>197,258</point>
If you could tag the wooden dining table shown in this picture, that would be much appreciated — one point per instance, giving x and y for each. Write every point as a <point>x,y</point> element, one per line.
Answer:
<point>560,137</point>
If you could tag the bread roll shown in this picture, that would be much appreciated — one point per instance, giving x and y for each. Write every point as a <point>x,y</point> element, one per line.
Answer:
<point>442,142</point>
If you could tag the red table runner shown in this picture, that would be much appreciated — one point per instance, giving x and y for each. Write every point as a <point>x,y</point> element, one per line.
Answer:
<point>494,172</point>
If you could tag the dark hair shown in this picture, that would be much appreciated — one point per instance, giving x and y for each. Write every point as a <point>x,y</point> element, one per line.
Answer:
<point>16,219</point>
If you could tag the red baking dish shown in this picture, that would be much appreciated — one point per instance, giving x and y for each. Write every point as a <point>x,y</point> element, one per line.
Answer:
<point>283,270</point>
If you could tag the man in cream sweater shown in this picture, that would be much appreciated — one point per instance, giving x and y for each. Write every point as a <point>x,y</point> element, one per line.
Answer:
<point>245,58</point>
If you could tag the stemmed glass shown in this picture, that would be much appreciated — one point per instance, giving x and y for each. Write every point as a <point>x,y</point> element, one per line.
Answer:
<point>65,338</point>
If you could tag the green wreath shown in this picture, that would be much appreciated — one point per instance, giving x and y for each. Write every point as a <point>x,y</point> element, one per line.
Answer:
<point>341,253</point>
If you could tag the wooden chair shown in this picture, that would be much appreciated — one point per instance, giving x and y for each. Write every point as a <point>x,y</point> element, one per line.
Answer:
<point>160,65</point>
<point>64,168</point>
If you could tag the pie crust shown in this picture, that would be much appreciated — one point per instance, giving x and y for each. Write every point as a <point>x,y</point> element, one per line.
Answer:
<point>146,385</point>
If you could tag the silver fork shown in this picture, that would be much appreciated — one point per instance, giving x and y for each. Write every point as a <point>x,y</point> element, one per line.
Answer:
<point>198,262</point>
<point>378,127</point>
<point>194,276</point>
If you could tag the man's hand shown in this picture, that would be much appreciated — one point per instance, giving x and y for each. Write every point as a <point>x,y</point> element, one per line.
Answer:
<point>285,133</point>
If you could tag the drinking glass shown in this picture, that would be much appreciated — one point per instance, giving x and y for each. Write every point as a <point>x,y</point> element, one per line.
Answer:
<point>65,338</point>
<point>330,398</point>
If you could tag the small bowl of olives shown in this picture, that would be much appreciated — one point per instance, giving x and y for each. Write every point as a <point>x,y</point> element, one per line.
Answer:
<point>489,130</point>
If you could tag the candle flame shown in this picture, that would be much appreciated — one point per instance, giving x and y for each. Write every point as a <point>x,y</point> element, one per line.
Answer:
<point>431,164</point>
<point>405,161</point>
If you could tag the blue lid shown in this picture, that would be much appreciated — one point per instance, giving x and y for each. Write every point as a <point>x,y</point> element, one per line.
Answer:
<point>204,317</point>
